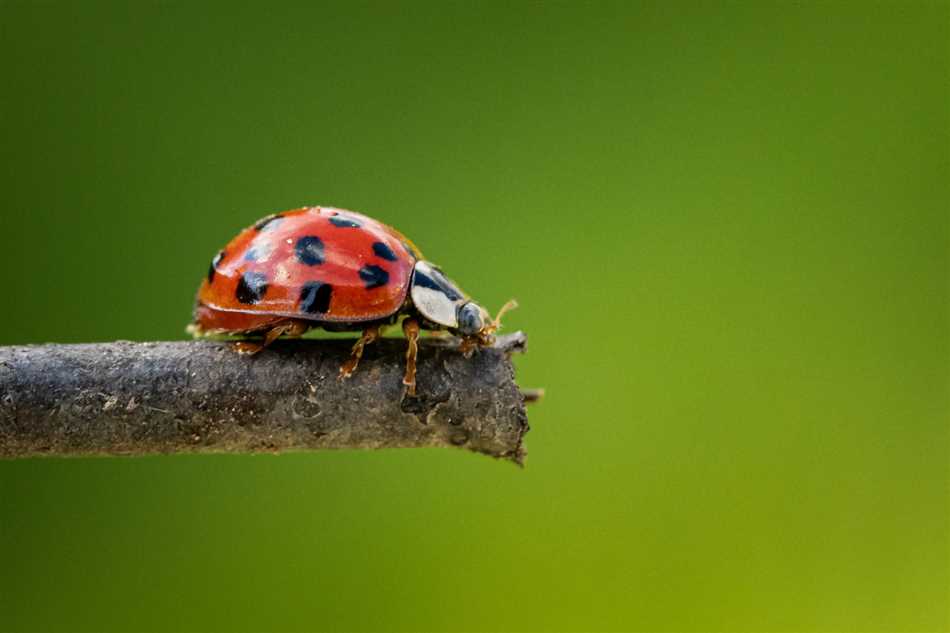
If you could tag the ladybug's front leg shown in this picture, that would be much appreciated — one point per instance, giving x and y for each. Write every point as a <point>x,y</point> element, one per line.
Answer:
<point>468,345</point>
<point>410,328</point>
<point>370,334</point>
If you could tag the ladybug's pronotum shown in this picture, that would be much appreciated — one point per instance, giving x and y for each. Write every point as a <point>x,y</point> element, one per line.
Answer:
<point>338,270</point>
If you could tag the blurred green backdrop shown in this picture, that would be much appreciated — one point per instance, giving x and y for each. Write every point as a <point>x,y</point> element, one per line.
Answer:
<point>727,225</point>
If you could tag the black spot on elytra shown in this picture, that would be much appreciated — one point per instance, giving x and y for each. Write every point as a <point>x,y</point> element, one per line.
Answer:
<point>309,250</point>
<point>384,251</point>
<point>373,276</point>
<point>269,223</point>
<point>251,288</point>
<point>344,223</point>
<point>437,282</point>
<point>214,265</point>
<point>315,297</point>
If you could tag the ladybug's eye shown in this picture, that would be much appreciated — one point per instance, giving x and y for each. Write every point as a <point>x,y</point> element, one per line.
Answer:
<point>470,319</point>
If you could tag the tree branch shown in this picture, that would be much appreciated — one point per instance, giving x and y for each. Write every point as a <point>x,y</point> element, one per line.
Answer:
<point>128,398</point>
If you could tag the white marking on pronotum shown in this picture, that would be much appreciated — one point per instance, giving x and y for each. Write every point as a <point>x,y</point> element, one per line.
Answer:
<point>435,306</point>
<point>435,296</point>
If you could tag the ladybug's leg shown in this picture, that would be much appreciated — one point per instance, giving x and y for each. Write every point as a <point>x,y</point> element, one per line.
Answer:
<point>410,328</point>
<point>248,348</point>
<point>289,328</point>
<point>468,345</point>
<point>370,334</point>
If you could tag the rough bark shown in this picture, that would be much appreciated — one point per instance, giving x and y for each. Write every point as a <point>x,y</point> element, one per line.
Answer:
<point>127,398</point>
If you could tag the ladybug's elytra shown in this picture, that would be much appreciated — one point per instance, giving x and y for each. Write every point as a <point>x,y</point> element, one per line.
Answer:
<point>335,269</point>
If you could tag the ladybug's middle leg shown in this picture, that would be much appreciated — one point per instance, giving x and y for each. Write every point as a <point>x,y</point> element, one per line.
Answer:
<point>410,328</point>
<point>370,334</point>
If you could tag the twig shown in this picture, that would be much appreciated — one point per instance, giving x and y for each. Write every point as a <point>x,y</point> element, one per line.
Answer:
<point>127,398</point>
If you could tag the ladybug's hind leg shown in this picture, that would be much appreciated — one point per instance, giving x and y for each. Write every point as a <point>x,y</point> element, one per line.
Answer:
<point>410,328</point>
<point>288,328</point>
<point>370,334</point>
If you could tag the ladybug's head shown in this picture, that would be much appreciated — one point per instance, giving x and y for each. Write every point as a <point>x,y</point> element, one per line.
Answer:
<point>440,301</point>
<point>472,319</point>
<point>475,322</point>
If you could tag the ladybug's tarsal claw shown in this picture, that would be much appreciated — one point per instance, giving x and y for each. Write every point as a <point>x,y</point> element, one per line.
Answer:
<point>347,369</point>
<point>247,348</point>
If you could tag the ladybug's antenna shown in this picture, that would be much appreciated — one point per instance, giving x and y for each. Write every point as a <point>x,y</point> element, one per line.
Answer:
<point>496,323</point>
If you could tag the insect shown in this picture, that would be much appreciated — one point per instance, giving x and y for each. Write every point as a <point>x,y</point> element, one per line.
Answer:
<point>337,270</point>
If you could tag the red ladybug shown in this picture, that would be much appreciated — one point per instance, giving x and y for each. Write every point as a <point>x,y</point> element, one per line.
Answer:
<point>335,269</point>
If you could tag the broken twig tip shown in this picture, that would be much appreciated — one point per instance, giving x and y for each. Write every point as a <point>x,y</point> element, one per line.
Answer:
<point>532,395</point>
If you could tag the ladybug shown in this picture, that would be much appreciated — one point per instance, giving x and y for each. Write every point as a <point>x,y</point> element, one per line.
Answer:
<point>337,270</point>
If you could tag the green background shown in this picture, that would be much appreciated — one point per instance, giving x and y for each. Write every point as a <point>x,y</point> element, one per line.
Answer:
<point>727,225</point>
